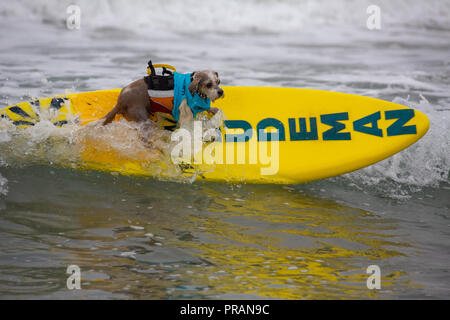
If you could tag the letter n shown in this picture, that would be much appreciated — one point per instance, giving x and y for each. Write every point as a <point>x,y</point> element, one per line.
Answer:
<point>398,127</point>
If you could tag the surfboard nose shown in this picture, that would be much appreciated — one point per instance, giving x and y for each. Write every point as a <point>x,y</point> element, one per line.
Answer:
<point>422,123</point>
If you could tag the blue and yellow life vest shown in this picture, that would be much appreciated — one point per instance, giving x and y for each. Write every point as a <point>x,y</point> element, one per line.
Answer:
<point>168,90</point>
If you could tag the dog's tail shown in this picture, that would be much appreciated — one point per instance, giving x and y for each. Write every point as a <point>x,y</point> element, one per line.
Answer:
<point>111,115</point>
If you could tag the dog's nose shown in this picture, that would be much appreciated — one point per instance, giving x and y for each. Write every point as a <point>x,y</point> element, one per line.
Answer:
<point>220,92</point>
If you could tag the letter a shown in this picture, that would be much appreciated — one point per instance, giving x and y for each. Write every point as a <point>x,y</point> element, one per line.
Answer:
<point>374,281</point>
<point>374,20</point>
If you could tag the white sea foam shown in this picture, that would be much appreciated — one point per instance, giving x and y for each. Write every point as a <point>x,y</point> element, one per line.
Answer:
<point>231,15</point>
<point>424,164</point>
<point>3,186</point>
<point>45,144</point>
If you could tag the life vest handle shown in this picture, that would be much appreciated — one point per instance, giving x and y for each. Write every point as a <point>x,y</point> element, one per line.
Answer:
<point>168,66</point>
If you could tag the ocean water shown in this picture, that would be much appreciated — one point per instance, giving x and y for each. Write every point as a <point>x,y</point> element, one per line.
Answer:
<point>138,238</point>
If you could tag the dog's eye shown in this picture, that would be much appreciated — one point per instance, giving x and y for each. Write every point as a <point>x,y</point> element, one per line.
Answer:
<point>209,85</point>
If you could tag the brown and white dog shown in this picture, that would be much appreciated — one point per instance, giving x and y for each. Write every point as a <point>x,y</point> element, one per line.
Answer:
<point>134,100</point>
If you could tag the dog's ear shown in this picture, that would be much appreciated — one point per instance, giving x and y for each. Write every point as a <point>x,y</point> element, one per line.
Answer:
<point>193,87</point>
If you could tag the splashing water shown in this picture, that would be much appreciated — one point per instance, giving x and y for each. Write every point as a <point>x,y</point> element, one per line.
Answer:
<point>46,144</point>
<point>424,164</point>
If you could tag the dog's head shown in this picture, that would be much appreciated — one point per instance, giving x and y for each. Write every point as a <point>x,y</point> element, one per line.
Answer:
<point>206,84</point>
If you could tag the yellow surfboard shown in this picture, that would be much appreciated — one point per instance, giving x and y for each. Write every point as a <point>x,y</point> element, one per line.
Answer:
<point>271,135</point>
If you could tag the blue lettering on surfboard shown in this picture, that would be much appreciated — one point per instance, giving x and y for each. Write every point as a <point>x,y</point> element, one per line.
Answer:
<point>360,124</point>
<point>335,132</point>
<point>366,125</point>
<point>268,136</point>
<point>303,133</point>
<point>238,137</point>
<point>398,127</point>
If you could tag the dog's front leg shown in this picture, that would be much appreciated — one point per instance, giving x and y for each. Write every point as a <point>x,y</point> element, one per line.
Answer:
<point>186,118</point>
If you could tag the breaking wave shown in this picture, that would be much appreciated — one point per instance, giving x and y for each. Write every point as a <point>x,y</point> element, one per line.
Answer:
<point>231,15</point>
